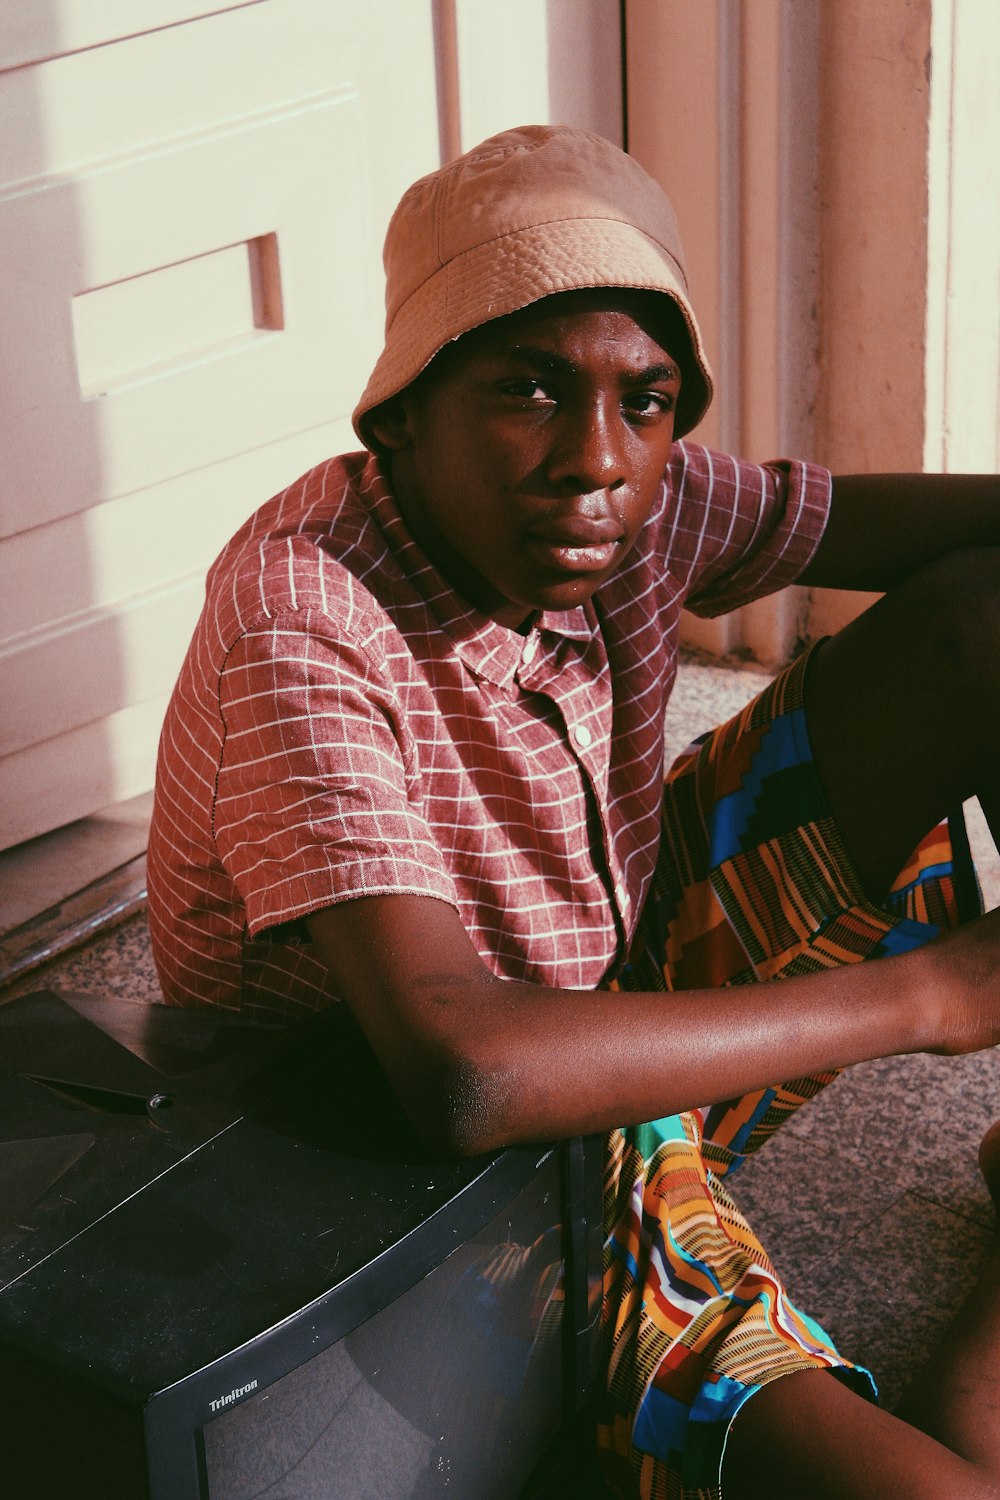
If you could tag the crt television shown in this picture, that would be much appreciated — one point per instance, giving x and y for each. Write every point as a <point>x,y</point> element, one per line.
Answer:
<point>228,1269</point>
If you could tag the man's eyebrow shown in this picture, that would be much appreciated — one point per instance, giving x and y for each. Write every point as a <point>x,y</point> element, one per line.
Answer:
<point>540,359</point>
<point>558,364</point>
<point>654,373</point>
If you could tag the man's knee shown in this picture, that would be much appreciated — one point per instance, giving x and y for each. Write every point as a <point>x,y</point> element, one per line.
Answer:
<point>954,606</point>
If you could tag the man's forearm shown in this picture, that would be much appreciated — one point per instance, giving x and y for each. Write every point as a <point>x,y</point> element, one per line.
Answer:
<point>883,527</point>
<point>479,1062</point>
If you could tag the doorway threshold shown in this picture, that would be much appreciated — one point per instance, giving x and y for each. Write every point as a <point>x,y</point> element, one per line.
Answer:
<point>59,890</point>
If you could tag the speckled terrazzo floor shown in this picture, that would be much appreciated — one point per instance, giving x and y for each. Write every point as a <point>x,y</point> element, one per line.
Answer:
<point>869,1198</point>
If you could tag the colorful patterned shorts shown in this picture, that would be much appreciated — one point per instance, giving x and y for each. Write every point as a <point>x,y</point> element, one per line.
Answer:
<point>753,883</point>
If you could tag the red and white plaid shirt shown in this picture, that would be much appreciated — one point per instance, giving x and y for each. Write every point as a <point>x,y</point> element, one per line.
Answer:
<point>345,724</point>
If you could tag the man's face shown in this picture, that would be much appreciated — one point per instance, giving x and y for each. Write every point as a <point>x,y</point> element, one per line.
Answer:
<point>527,458</point>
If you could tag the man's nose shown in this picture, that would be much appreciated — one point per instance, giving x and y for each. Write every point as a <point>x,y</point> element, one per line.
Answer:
<point>587,453</point>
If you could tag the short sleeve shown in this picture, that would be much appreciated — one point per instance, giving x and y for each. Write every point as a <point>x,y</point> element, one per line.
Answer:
<point>318,793</point>
<point>741,530</point>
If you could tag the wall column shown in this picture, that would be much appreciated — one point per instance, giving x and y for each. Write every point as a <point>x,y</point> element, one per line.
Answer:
<point>722,110</point>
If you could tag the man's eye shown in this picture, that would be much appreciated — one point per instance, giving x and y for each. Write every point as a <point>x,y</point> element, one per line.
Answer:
<point>527,390</point>
<point>651,403</point>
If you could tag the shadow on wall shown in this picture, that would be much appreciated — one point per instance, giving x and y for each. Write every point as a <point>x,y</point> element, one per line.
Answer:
<point>59,663</point>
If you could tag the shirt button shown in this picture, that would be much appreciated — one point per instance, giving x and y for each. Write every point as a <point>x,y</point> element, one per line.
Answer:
<point>621,896</point>
<point>582,735</point>
<point>530,649</point>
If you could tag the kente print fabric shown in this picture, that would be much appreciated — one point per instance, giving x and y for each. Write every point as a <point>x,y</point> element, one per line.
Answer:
<point>752,884</point>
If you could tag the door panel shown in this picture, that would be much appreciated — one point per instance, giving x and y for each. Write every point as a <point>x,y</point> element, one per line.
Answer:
<point>41,29</point>
<point>192,222</point>
<point>182,390</point>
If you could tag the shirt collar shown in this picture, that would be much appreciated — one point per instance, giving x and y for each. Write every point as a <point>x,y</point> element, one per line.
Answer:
<point>489,650</point>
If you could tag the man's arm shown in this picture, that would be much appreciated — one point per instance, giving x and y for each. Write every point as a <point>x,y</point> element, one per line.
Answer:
<point>478,1062</point>
<point>883,527</point>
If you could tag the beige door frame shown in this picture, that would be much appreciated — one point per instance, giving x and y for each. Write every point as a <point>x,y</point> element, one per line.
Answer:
<point>835,170</point>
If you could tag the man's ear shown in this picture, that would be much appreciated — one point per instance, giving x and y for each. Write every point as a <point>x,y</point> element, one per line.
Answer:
<point>389,425</point>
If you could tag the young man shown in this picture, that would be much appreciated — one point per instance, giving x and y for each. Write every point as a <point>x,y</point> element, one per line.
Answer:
<point>414,762</point>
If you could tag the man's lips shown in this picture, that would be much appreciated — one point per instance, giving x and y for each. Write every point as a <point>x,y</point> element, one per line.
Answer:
<point>576,544</point>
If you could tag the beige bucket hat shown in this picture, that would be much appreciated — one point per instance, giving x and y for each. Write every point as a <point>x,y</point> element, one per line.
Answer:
<point>530,212</point>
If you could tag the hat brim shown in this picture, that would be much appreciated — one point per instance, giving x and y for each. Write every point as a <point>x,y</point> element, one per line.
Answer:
<point>516,269</point>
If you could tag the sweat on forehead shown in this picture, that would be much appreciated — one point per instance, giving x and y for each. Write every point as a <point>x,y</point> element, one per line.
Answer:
<point>531,212</point>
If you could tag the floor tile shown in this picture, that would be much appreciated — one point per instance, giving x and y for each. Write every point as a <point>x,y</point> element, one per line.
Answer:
<point>118,963</point>
<point>887,1297</point>
<point>911,1123</point>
